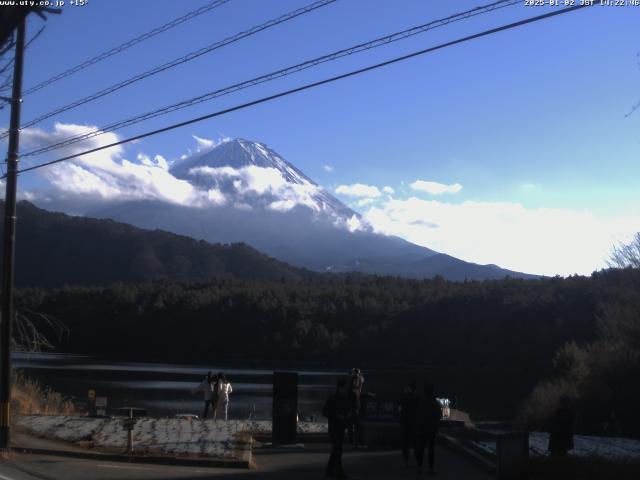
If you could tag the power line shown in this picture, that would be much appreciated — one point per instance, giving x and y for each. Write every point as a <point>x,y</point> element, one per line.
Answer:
<point>378,42</point>
<point>7,84</point>
<point>126,45</point>
<point>313,85</point>
<point>179,61</point>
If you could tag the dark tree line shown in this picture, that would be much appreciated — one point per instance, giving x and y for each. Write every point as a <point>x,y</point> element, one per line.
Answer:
<point>599,376</point>
<point>505,332</point>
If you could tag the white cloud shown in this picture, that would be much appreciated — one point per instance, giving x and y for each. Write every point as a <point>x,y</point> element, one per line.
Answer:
<point>329,168</point>
<point>435,188</point>
<point>158,161</point>
<point>365,201</point>
<point>355,223</point>
<point>264,181</point>
<point>161,162</point>
<point>388,190</point>
<point>107,176</point>
<point>283,205</point>
<point>204,143</point>
<point>544,241</point>
<point>359,190</point>
<point>216,197</point>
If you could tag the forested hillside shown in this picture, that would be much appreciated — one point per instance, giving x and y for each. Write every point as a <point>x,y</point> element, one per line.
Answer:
<point>54,249</point>
<point>489,341</point>
<point>507,330</point>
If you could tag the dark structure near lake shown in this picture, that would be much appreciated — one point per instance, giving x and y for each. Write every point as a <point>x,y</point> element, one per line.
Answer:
<point>285,407</point>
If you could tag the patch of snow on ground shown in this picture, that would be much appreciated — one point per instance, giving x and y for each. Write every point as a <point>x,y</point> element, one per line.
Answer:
<point>611,448</point>
<point>264,427</point>
<point>69,429</point>
<point>150,435</point>
<point>173,436</point>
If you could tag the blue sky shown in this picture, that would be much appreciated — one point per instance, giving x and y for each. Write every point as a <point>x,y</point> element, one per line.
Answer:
<point>531,123</point>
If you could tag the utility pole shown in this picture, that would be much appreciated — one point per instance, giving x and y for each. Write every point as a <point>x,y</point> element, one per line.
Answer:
<point>9,241</point>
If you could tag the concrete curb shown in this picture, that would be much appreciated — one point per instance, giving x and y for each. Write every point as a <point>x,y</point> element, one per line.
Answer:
<point>245,462</point>
<point>458,446</point>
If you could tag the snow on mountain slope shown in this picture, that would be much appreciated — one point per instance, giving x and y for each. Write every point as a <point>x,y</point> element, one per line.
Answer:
<point>261,199</point>
<point>253,176</point>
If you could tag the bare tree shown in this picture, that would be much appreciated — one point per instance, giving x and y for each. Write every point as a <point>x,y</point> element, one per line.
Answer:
<point>33,331</point>
<point>626,254</point>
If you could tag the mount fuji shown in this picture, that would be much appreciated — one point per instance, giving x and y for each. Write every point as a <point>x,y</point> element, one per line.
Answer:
<point>259,198</point>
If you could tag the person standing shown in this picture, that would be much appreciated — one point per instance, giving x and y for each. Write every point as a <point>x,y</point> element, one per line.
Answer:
<point>223,393</point>
<point>408,415</point>
<point>429,413</point>
<point>336,409</point>
<point>561,433</point>
<point>207,386</point>
<point>356,382</point>
<point>215,396</point>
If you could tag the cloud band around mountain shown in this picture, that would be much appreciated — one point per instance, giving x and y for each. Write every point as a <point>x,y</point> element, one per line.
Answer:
<point>359,190</point>
<point>537,240</point>
<point>546,241</point>
<point>106,176</point>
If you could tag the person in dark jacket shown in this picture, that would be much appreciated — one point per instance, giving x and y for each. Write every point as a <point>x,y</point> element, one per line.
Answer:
<point>561,432</point>
<point>337,409</point>
<point>408,417</point>
<point>429,413</point>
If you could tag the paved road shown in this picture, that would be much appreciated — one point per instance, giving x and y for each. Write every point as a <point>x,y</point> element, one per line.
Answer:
<point>281,464</point>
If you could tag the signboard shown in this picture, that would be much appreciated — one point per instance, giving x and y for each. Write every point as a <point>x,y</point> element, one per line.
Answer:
<point>91,394</point>
<point>100,405</point>
<point>380,409</point>
<point>285,407</point>
<point>131,412</point>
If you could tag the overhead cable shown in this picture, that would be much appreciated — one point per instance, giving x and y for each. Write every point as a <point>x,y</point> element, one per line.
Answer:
<point>179,61</point>
<point>378,42</point>
<point>126,45</point>
<point>312,85</point>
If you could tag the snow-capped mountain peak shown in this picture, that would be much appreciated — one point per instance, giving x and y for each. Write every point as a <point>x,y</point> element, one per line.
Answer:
<point>247,192</point>
<point>251,175</point>
<point>239,153</point>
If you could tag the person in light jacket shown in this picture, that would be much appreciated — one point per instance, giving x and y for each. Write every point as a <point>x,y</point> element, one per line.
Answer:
<point>209,388</point>
<point>224,391</point>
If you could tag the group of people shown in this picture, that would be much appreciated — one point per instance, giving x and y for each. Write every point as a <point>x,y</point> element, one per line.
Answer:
<point>420,414</point>
<point>216,391</point>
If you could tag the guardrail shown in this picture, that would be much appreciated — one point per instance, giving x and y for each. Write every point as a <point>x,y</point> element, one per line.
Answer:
<point>512,450</point>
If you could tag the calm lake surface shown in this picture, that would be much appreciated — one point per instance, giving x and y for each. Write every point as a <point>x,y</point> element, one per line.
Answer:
<point>166,389</point>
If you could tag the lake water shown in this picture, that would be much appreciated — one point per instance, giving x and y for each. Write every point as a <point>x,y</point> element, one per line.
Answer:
<point>166,389</point>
